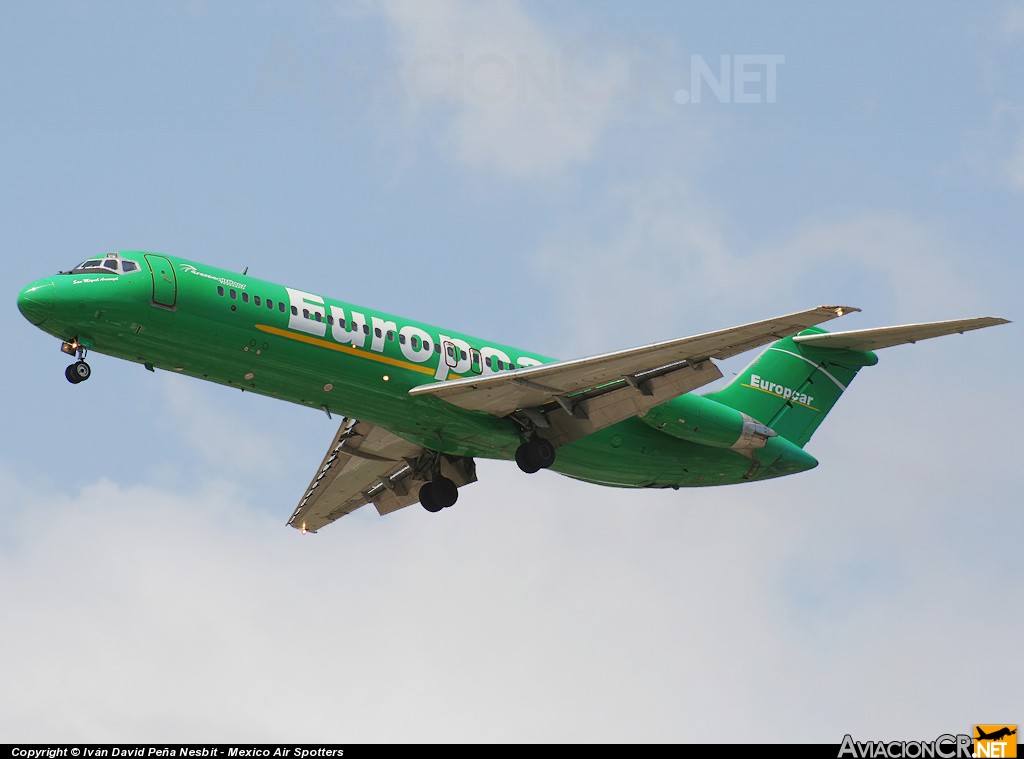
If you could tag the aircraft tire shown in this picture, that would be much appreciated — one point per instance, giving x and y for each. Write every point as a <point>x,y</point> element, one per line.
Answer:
<point>444,492</point>
<point>525,461</point>
<point>81,370</point>
<point>541,451</point>
<point>71,375</point>
<point>427,498</point>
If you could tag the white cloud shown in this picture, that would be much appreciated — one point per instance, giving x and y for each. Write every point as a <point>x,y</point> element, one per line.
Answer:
<point>1013,20</point>
<point>515,99</point>
<point>220,433</point>
<point>652,260</point>
<point>537,609</point>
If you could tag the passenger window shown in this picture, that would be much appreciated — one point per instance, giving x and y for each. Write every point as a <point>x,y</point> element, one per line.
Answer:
<point>451,351</point>
<point>437,347</point>
<point>270,304</point>
<point>391,336</point>
<point>256,300</point>
<point>295,311</point>
<point>341,322</point>
<point>366,329</point>
<point>462,355</point>
<point>330,319</point>
<point>305,313</point>
<point>401,339</point>
<point>233,294</point>
<point>376,331</point>
<point>220,290</point>
<point>280,306</point>
<point>245,297</point>
<point>415,342</point>
<point>318,315</point>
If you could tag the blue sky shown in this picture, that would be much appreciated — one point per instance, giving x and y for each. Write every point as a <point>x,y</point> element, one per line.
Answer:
<point>525,172</point>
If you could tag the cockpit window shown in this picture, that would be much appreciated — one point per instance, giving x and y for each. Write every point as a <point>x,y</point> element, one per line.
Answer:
<point>109,263</point>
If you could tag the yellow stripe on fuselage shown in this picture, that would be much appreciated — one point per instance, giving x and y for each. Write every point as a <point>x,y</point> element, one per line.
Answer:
<point>361,352</point>
<point>776,395</point>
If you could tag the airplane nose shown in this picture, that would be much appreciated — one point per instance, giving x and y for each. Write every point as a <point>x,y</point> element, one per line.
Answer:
<point>36,301</point>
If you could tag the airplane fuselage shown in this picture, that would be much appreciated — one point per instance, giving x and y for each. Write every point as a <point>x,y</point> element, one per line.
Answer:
<point>303,347</point>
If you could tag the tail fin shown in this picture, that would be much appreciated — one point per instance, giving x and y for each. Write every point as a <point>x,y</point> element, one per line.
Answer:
<point>793,385</point>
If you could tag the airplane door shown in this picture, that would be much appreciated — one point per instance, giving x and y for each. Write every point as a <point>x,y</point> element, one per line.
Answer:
<point>165,282</point>
<point>451,354</point>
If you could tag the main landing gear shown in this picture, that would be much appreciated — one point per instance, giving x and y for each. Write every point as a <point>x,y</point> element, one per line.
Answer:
<point>442,475</point>
<point>78,371</point>
<point>439,493</point>
<point>535,454</point>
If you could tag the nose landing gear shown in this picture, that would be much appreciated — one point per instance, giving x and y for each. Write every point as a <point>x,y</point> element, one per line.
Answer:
<point>78,371</point>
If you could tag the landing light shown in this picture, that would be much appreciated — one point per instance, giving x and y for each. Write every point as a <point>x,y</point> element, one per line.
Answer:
<point>303,529</point>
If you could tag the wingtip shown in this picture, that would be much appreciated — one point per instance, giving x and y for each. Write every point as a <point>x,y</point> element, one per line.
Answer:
<point>841,310</point>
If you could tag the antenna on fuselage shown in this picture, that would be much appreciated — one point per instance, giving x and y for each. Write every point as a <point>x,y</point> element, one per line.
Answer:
<point>245,271</point>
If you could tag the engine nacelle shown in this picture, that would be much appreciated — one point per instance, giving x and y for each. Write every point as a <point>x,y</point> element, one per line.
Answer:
<point>707,422</point>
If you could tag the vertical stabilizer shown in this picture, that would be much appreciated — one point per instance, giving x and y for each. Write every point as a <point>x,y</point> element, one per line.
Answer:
<point>792,385</point>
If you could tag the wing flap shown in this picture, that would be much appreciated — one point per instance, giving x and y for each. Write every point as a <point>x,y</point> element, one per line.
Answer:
<point>607,408</point>
<point>364,464</point>
<point>505,392</point>
<point>368,464</point>
<point>886,337</point>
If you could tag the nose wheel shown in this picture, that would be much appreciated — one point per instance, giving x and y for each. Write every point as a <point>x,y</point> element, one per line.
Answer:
<point>78,372</point>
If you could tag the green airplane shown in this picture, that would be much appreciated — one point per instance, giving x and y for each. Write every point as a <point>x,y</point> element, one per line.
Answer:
<point>420,403</point>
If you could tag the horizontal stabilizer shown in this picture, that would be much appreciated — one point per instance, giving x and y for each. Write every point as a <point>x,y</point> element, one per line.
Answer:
<point>886,337</point>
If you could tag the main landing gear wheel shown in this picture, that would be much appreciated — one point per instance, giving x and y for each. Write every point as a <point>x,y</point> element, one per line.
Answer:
<point>523,460</point>
<point>439,493</point>
<point>535,454</point>
<point>78,372</point>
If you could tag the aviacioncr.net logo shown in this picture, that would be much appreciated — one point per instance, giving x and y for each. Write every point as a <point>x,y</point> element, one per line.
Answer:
<point>946,746</point>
